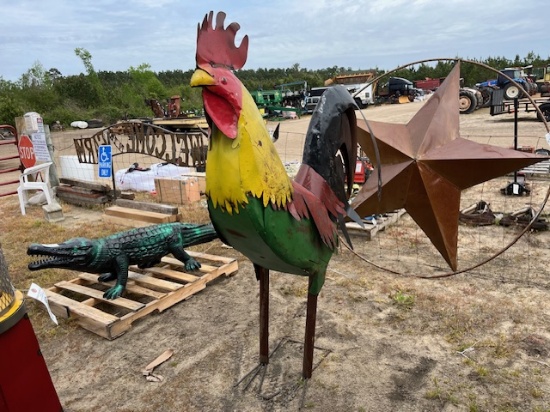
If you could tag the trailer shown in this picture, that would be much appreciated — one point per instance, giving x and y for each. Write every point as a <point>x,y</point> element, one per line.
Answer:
<point>429,84</point>
<point>499,105</point>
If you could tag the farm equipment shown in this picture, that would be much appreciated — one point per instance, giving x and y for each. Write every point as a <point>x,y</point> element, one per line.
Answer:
<point>543,84</point>
<point>469,99</point>
<point>511,90</point>
<point>287,97</point>
<point>171,117</point>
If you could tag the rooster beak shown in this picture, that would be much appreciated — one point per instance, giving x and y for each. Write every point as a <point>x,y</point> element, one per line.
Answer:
<point>201,78</point>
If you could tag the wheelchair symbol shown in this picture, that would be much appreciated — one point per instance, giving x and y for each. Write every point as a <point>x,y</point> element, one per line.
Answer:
<point>104,156</point>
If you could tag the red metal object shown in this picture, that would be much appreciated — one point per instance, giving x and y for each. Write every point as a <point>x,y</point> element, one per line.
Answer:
<point>363,170</point>
<point>360,170</point>
<point>425,165</point>
<point>25,383</point>
<point>428,83</point>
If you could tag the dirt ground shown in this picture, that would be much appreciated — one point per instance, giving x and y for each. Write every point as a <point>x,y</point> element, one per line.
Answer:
<point>478,341</point>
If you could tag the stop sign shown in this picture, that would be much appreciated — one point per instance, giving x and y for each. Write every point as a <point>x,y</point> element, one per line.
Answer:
<point>26,151</point>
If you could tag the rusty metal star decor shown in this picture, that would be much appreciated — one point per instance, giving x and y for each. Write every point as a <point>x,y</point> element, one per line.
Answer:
<point>425,165</point>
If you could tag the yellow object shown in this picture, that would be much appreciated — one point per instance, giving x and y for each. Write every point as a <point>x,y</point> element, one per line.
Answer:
<point>13,313</point>
<point>246,165</point>
<point>404,99</point>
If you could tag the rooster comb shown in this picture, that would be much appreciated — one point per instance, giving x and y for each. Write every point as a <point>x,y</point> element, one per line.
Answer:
<point>216,45</point>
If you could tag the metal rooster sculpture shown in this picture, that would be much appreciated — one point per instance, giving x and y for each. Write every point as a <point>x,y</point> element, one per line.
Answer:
<point>279,224</point>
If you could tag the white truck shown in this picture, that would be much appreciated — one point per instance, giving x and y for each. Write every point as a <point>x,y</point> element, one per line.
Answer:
<point>365,95</point>
<point>363,98</point>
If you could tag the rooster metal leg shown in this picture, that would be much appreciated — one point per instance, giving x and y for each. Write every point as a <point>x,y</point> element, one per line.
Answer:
<point>309,340</point>
<point>263,276</point>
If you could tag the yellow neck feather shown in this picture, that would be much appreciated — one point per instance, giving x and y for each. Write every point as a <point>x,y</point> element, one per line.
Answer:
<point>247,165</point>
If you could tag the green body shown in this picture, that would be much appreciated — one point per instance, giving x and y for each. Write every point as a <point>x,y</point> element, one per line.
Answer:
<point>275,240</point>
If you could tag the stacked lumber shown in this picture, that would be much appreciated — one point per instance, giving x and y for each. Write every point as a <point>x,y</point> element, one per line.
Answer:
<point>138,214</point>
<point>83,193</point>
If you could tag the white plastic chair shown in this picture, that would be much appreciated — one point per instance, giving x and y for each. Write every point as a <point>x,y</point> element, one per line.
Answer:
<point>25,184</point>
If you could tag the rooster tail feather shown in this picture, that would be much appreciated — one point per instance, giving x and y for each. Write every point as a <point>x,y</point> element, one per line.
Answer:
<point>331,142</point>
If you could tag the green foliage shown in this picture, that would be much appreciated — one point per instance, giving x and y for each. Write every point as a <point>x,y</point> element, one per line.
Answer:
<point>403,299</point>
<point>111,96</point>
<point>86,58</point>
<point>9,110</point>
<point>65,114</point>
<point>146,83</point>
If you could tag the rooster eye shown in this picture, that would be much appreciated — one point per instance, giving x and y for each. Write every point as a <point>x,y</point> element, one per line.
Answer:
<point>224,80</point>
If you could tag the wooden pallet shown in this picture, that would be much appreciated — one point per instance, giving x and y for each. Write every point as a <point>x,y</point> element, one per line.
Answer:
<point>371,228</point>
<point>148,290</point>
<point>540,169</point>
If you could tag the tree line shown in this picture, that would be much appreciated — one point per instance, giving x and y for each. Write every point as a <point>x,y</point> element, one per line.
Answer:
<point>111,96</point>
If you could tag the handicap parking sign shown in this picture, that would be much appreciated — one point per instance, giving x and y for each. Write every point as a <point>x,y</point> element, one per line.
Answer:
<point>105,160</point>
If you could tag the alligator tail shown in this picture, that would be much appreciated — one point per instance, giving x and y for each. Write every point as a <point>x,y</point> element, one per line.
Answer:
<point>198,234</point>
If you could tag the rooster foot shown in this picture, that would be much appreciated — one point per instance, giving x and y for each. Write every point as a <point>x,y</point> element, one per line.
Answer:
<point>291,391</point>
<point>279,380</point>
<point>260,371</point>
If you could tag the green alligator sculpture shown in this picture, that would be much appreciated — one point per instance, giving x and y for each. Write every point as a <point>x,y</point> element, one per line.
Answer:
<point>112,255</point>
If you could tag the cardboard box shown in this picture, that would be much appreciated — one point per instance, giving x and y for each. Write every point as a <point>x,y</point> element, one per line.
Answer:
<point>179,190</point>
<point>201,176</point>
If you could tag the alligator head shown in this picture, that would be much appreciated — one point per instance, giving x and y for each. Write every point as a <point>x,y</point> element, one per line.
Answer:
<point>73,253</point>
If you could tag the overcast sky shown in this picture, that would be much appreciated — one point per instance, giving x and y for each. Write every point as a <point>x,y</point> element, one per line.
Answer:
<point>316,34</point>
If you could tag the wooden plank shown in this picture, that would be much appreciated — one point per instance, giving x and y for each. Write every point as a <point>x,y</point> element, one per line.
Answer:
<point>78,191</point>
<point>181,294</point>
<point>126,321</point>
<point>207,256</point>
<point>80,199</point>
<point>204,267</point>
<point>139,290</point>
<point>226,269</point>
<point>149,281</point>
<point>98,294</point>
<point>131,287</point>
<point>192,288</point>
<point>169,273</point>
<point>143,280</point>
<point>86,185</point>
<point>147,206</point>
<point>142,215</point>
<point>80,309</point>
